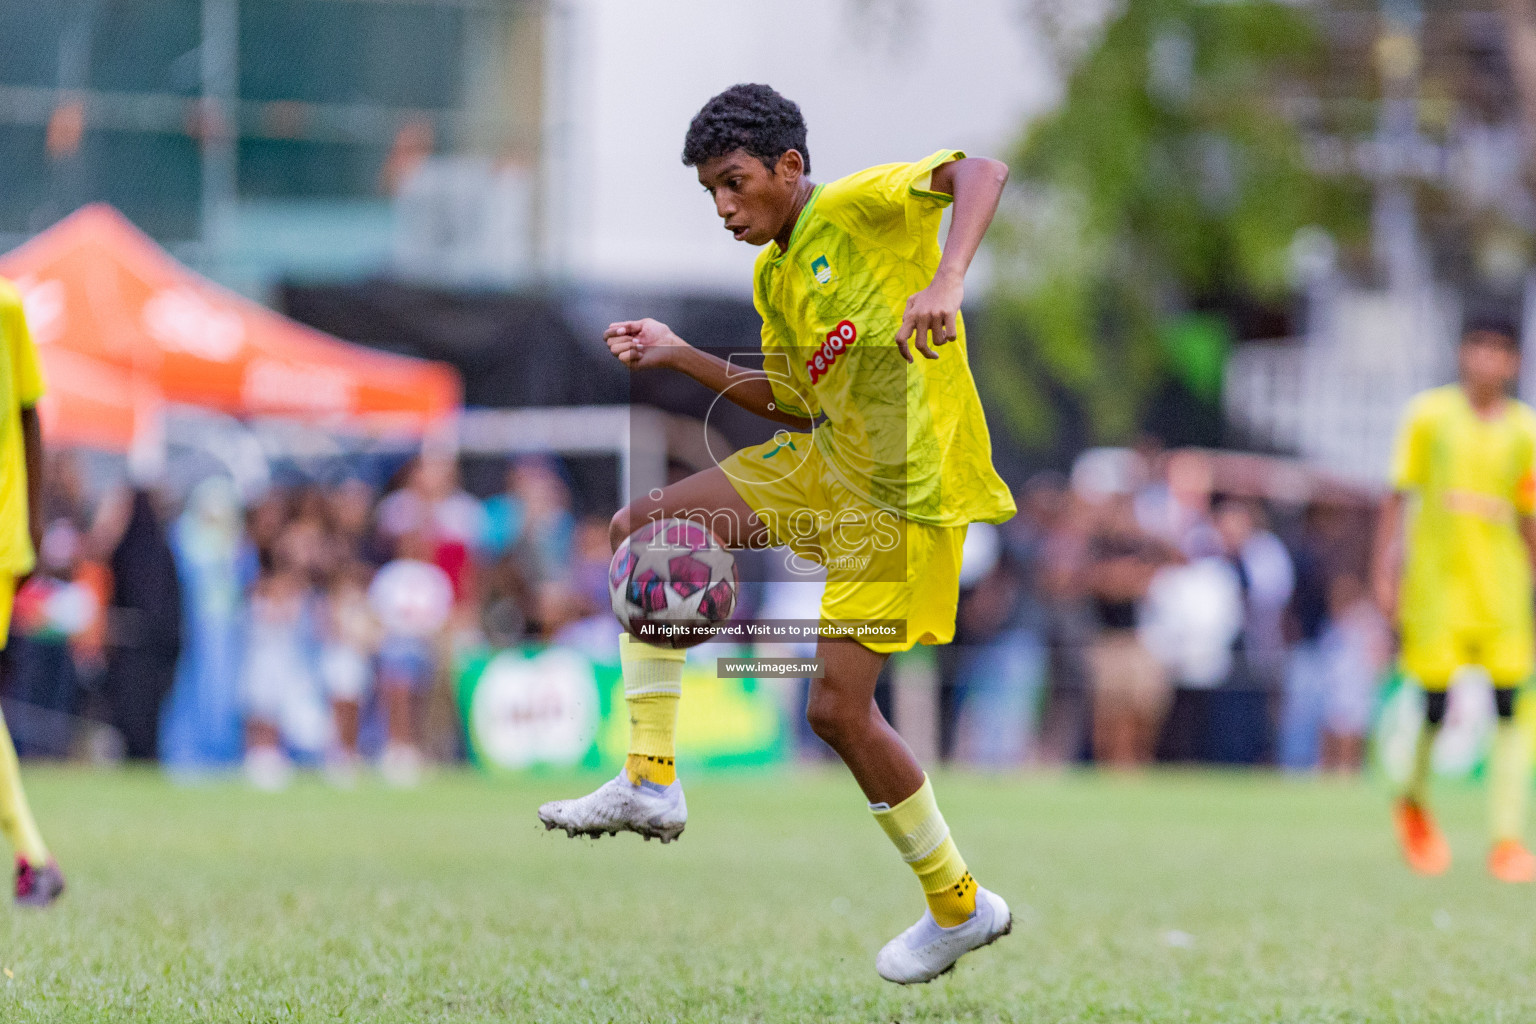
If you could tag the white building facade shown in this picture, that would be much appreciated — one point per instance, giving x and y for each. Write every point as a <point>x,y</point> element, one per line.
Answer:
<point>878,82</point>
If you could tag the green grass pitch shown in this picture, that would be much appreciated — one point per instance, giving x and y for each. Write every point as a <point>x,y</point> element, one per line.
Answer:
<point>1186,897</point>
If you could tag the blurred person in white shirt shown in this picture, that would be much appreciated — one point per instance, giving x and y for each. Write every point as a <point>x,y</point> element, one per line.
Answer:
<point>278,681</point>
<point>349,639</point>
<point>1192,616</point>
<point>412,598</point>
<point>450,520</point>
<point>1267,576</point>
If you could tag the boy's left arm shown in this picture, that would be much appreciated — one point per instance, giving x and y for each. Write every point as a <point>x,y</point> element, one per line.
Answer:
<point>977,185</point>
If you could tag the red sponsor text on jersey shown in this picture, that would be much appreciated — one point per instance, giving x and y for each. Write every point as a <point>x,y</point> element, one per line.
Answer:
<point>838,339</point>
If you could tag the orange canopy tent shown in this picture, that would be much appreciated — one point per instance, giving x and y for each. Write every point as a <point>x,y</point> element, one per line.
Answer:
<point>122,328</point>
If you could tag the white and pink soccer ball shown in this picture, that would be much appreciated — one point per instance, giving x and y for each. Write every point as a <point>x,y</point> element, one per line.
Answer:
<point>672,571</point>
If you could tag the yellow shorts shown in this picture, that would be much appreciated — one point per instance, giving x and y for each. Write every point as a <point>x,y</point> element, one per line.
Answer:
<point>886,575</point>
<point>1432,657</point>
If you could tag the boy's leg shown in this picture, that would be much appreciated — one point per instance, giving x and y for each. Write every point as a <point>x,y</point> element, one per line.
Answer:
<point>706,497</point>
<point>1510,660</point>
<point>38,880</point>
<point>1430,656</point>
<point>266,765</point>
<point>843,713</point>
<point>406,669</point>
<point>646,797</point>
<point>653,676</point>
<point>653,684</point>
<point>399,710</point>
<point>16,819</point>
<point>1508,785</point>
<point>1510,770</point>
<point>1436,700</point>
<point>1424,848</point>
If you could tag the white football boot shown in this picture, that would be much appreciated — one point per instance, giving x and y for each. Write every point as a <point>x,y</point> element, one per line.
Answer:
<point>618,805</point>
<point>925,951</point>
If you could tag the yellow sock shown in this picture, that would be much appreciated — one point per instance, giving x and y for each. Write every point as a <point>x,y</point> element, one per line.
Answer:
<point>16,819</point>
<point>922,838</point>
<point>653,682</point>
<point>1417,789</point>
<point>1509,781</point>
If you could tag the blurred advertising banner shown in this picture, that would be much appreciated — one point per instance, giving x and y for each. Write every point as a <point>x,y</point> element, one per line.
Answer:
<point>557,707</point>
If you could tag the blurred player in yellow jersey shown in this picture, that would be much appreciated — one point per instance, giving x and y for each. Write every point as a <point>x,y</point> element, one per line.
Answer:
<point>1453,559</point>
<point>883,462</point>
<point>38,880</point>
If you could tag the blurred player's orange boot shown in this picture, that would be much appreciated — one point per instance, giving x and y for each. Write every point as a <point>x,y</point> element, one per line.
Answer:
<point>1509,861</point>
<point>1424,848</point>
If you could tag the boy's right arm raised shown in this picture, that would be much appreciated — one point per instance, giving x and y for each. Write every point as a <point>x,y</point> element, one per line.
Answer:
<point>649,344</point>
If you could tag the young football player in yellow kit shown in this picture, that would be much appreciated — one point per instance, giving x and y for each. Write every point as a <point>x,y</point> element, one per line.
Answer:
<point>38,879</point>
<point>1453,560</point>
<point>884,461</point>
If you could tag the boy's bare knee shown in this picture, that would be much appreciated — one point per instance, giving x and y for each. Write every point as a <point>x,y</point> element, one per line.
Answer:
<point>830,718</point>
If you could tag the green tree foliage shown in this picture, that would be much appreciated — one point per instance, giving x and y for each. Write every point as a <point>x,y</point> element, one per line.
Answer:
<point>1173,171</point>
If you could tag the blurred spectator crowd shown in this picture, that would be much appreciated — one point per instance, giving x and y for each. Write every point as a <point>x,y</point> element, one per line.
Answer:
<point>1173,606</point>
<point>320,624</point>
<point>1151,606</point>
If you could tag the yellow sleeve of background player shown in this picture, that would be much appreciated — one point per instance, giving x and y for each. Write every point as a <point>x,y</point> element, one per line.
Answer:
<point>893,204</point>
<point>26,372</point>
<point>1410,452</point>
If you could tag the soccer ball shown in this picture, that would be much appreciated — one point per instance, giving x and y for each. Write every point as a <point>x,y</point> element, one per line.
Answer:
<point>669,581</point>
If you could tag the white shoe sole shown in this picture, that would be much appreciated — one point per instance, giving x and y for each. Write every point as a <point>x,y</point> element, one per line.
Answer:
<point>666,833</point>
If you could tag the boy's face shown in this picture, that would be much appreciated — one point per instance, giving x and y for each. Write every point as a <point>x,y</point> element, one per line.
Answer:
<point>754,202</point>
<point>1489,360</point>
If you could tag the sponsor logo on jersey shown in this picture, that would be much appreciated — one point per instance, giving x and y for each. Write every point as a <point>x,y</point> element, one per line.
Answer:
<point>838,340</point>
<point>821,269</point>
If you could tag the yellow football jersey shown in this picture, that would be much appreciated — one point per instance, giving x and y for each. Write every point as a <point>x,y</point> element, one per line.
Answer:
<point>21,384</point>
<point>1471,480</point>
<point>909,437</point>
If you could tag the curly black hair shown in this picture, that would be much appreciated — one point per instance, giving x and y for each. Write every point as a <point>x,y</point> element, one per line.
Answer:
<point>753,118</point>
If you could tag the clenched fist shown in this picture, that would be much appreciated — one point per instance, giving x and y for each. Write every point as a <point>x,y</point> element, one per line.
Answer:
<point>642,344</point>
